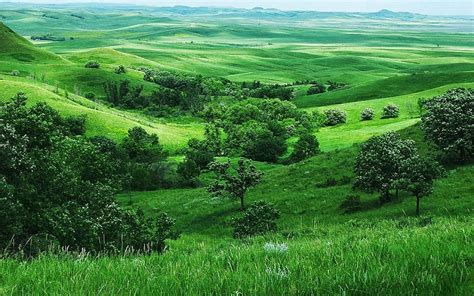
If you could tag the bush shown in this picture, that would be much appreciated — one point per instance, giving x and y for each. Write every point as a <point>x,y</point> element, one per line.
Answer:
<point>390,111</point>
<point>351,204</point>
<point>316,89</point>
<point>258,219</point>
<point>92,65</point>
<point>189,172</point>
<point>90,95</point>
<point>367,114</point>
<point>334,117</point>
<point>306,147</point>
<point>120,70</point>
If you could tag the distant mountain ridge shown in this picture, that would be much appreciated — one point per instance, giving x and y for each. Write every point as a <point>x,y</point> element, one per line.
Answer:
<point>188,10</point>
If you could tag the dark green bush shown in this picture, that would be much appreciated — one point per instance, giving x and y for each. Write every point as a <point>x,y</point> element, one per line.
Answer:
<point>390,111</point>
<point>259,218</point>
<point>92,65</point>
<point>334,117</point>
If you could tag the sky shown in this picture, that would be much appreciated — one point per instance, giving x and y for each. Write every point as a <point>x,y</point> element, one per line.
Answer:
<point>432,7</point>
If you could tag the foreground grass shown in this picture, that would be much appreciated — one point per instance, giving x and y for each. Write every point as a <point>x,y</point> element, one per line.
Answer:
<point>398,257</point>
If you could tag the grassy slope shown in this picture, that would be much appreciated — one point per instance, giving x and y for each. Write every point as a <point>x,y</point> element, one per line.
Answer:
<point>295,191</point>
<point>329,252</point>
<point>101,120</point>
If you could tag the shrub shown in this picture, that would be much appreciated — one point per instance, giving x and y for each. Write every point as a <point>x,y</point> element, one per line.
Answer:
<point>258,219</point>
<point>449,123</point>
<point>90,95</point>
<point>334,117</point>
<point>390,111</point>
<point>351,204</point>
<point>189,172</point>
<point>367,114</point>
<point>92,65</point>
<point>306,147</point>
<point>316,89</point>
<point>120,70</point>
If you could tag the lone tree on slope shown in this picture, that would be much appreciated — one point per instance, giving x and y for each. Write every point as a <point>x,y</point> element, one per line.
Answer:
<point>234,184</point>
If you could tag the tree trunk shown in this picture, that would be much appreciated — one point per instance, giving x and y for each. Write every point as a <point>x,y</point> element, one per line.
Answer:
<point>242,206</point>
<point>417,205</point>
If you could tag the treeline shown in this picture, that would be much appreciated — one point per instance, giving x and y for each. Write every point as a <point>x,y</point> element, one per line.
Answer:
<point>48,37</point>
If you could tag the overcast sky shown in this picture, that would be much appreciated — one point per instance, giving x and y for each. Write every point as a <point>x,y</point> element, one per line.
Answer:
<point>436,7</point>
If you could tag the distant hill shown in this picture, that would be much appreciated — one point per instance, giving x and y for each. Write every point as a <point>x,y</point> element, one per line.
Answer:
<point>14,47</point>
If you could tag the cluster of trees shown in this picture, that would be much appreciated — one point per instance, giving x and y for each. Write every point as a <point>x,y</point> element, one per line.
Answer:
<point>47,37</point>
<point>57,187</point>
<point>258,128</point>
<point>389,163</point>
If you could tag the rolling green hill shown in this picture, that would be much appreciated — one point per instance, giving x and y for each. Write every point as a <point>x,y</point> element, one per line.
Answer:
<point>384,57</point>
<point>16,48</point>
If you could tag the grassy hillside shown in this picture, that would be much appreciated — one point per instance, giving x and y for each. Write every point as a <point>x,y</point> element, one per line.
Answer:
<point>16,48</point>
<point>386,57</point>
<point>299,192</point>
<point>100,120</point>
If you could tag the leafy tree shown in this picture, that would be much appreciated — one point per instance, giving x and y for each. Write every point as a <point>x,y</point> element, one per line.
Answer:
<point>142,147</point>
<point>258,219</point>
<point>306,147</point>
<point>334,117</point>
<point>379,163</point>
<point>417,176</point>
<point>367,114</point>
<point>57,188</point>
<point>390,111</point>
<point>449,122</point>
<point>234,184</point>
<point>198,152</point>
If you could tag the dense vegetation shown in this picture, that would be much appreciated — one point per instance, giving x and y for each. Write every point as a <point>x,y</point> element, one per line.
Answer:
<point>224,157</point>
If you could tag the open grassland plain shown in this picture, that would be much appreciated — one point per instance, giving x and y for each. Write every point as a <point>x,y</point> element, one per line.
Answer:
<point>319,249</point>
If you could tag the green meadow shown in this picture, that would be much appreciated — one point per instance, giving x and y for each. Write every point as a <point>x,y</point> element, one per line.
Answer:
<point>382,249</point>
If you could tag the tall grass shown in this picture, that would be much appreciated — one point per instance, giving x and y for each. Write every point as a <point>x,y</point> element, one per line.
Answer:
<point>402,257</point>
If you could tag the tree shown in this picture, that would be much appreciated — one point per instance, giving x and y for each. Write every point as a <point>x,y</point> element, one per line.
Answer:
<point>379,163</point>
<point>306,147</point>
<point>234,184</point>
<point>449,122</point>
<point>258,219</point>
<point>142,147</point>
<point>390,111</point>
<point>367,114</point>
<point>57,188</point>
<point>199,153</point>
<point>417,176</point>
